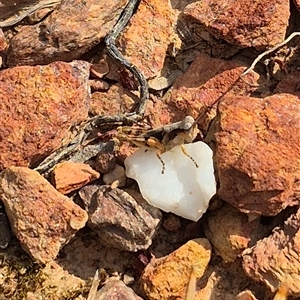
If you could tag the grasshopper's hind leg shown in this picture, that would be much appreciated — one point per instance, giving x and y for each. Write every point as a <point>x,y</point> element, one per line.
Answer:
<point>186,154</point>
<point>162,162</point>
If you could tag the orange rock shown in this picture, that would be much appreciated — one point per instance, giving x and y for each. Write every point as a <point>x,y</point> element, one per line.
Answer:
<point>168,277</point>
<point>204,83</point>
<point>150,32</point>
<point>42,219</point>
<point>70,176</point>
<point>38,107</point>
<point>275,260</point>
<point>230,232</point>
<point>258,152</point>
<point>246,23</point>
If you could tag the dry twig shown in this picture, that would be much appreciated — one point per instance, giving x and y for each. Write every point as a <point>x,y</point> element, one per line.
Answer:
<point>259,57</point>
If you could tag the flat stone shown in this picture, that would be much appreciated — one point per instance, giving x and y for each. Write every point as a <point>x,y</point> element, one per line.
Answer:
<point>230,232</point>
<point>275,260</point>
<point>168,277</point>
<point>42,219</point>
<point>71,30</point>
<point>122,219</point>
<point>38,107</point>
<point>258,152</point>
<point>244,23</point>
<point>146,39</point>
<point>69,176</point>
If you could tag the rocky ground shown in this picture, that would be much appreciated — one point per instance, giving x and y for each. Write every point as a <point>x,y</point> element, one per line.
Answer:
<point>58,227</point>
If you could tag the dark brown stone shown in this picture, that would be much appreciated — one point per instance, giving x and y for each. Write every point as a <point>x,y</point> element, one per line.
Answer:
<point>120,220</point>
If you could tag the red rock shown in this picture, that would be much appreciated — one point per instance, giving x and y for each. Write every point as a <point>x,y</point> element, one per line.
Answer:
<point>70,31</point>
<point>69,176</point>
<point>258,152</point>
<point>204,83</point>
<point>42,218</point>
<point>146,39</point>
<point>230,232</point>
<point>38,107</point>
<point>275,260</point>
<point>244,23</point>
<point>168,277</point>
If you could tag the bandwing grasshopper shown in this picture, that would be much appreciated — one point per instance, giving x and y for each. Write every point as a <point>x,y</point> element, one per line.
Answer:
<point>163,138</point>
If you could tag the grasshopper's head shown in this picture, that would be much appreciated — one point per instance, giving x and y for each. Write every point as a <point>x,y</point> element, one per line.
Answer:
<point>187,123</point>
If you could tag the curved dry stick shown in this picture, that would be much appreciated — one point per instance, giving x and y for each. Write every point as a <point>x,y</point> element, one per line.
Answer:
<point>114,52</point>
<point>259,57</point>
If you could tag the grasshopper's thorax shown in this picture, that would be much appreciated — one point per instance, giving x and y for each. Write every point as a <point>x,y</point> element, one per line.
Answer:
<point>181,137</point>
<point>163,138</point>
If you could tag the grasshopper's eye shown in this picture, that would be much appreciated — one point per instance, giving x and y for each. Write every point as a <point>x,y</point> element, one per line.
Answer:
<point>187,123</point>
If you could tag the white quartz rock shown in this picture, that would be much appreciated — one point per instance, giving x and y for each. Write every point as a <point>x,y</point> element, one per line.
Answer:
<point>183,189</point>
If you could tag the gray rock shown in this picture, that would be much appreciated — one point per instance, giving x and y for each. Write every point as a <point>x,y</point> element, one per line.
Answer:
<point>116,290</point>
<point>121,220</point>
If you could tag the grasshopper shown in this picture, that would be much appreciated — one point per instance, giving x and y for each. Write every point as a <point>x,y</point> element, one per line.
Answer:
<point>163,138</point>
